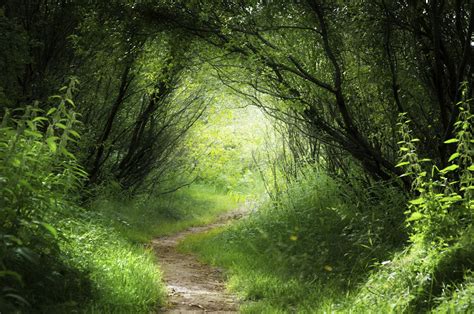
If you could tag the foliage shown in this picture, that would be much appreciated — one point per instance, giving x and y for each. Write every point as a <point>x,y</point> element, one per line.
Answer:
<point>426,274</point>
<point>170,137</point>
<point>459,299</point>
<point>420,278</point>
<point>13,57</point>
<point>107,240</point>
<point>37,173</point>
<point>317,245</point>
<point>222,147</point>
<point>340,243</point>
<point>122,276</point>
<point>56,256</point>
<point>142,218</point>
<point>444,205</point>
<point>340,72</point>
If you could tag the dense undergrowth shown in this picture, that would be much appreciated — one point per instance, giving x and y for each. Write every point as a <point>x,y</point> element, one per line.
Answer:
<point>185,107</point>
<point>321,246</point>
<point>329,247</point>
<point>323,254</point>
<point>311,249</point>
<point>57,256</point>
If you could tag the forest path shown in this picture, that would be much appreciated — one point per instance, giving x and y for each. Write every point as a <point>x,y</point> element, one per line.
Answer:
<point>194,287</point>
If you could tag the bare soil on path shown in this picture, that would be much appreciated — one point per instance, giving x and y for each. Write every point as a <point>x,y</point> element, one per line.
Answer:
<point>194,287</point>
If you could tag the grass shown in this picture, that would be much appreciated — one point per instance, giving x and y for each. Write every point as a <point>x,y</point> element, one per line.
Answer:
<point>460,299</point>
<point>255,278</point>
<point>141,220</point>
<point>307,255</point>
<point>405,285</point>
<point>106,245</point>
<point>423,278</point>
<point>310,249</point>
<point>122,275</point>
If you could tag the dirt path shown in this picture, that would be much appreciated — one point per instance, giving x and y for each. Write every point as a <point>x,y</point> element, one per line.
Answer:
<point>193,287</point>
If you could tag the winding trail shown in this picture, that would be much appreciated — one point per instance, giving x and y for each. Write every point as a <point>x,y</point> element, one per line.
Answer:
<point>194,287</point>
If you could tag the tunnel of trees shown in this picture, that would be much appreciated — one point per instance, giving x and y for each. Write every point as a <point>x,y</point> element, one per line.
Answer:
<point>129,100</point>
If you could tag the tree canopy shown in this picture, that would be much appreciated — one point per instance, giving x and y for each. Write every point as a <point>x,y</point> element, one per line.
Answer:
<point>352,118</point>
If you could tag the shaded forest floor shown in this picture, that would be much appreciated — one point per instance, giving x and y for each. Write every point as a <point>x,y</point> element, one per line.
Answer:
<point>192,285</point>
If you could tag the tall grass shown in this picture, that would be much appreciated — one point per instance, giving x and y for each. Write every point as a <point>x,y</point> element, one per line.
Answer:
<point>122,275</point>
<point>421,278</point>
<point>106,244</point>
<point>327,251</point>
<point>329,247</point>
<point>140,219</point>
<point>309,251</point>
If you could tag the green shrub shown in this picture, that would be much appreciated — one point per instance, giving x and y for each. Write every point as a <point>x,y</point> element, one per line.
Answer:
<point>55,256</point>
<point>430,274</point>
<point>37,172</point>
<point>444,204</point>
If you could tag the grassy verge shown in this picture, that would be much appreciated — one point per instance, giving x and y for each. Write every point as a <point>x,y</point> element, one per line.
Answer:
<point>256,278</point>
<point>141,220</point>
<point>122,276</point>
<point>413,281</point>
<point>309,249</point>
<point>320,253</point>
<point>422,278</point>
<point>105,245</point>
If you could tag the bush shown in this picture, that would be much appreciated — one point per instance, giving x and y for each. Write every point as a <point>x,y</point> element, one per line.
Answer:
<point>55,256</point>
<point>433,272</point>
<point>444,203</point>
<point>37,172</point>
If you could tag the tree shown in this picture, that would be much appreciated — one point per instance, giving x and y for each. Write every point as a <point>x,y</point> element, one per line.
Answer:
<point>327,62</point>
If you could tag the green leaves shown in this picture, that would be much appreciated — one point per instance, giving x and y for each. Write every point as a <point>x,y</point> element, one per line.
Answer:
<point>12,274</point>
<point>51,141</point>
<point>60,125</point>
<point>51,111</point>
<point>453,156</point>
<point>417,201</point>
<point>415,217</point>
<point>451,198</point>
<point>449,168</point>
<point>15,162</point>
<point>37,174</point>
<point>451,141</point>
<point>33,133</point>
<point>50,229</point>
<point>74,133</point>
<point>401,164</point>
<point>444,204</point>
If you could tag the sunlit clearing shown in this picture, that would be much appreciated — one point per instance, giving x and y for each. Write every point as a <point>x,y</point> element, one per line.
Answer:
<point>225,143</point>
